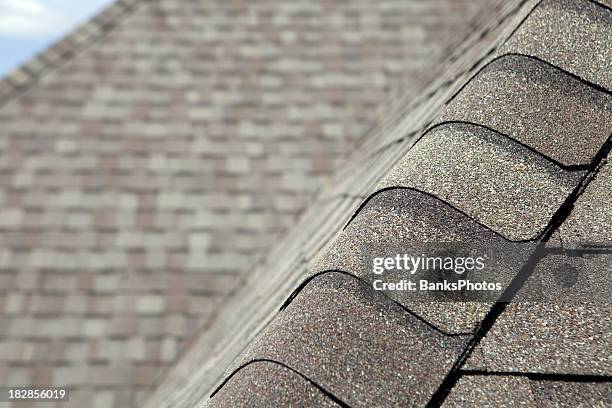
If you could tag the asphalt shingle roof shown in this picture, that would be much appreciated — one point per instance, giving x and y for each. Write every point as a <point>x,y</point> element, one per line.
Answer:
<point>485,391</point>
<point>537,99</point>
<point>150,159</point>
<point>590,221</point>
<point>264,383</point>
<point>478,184</point>
<point>357,344</point>
<point>392,220</point>
<point>521,391</point>
<point>561,322</point>
<point>553,337</point>
<point>522,189</point>
<point>572,35</point>
<point>253,304</point>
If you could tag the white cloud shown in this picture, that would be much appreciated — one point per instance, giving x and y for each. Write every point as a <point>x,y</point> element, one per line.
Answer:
<point>31,19</point>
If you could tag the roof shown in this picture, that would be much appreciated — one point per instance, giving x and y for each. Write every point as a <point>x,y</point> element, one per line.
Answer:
<point>504,162</point>
<point>150,159</point>
<point>251,306</point>
<point>526,391</point>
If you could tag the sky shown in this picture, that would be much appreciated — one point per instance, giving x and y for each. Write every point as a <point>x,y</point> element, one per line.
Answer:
<point>29,26</point>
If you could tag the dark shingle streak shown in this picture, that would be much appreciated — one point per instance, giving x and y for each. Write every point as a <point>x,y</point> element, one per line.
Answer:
<point>356,344</point>
<point>266,384</point>
<point>543,108</point>
<point>392,220</point>
<point>467,165</point>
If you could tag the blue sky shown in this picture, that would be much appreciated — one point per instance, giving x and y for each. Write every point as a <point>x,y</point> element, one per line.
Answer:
<point>29,26</point>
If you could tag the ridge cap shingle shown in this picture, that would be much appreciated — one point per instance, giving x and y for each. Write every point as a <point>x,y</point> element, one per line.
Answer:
<point>568,194</point>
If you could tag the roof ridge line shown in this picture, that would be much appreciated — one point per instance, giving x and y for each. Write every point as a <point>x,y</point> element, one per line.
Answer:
<point>432,123</point>
<point>566,167</point>
<point>537,60</point>
<point>377,130</point>
<point>397,105</point>
<point>64,49</point>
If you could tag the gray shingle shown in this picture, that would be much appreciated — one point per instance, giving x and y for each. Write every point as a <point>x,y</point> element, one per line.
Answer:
<point>357,344</point>
<point>266,384</point>
<point>467,165</point>
<point>337,336</point>
<point>540,106</point>
<point>590,222</point>
<point>568,332</point>
<point>391,221</point>
<point>518,391</point>
<point>490,391</point>
<point>581,276</point>
<point>572,394</point>
<point>131,148</point>
<point>573,35</point>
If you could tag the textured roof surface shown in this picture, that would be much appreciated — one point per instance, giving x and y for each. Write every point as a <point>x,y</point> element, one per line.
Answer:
<point>150,159</point>
<point>563,326</point>
<point>569,107</point>
<point>522,190</point>
<point>486,391</point>
<point>467,181</point>
<point>565,275</point>
<point>355,343</point>
<point>520,391</point>
<point>567,326</point>
<point>393,219</point>
<point>263,383</point>
<point>572,35</point>
<point>251,306</point>
<point>549,338</point>
<point>590,221</point>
